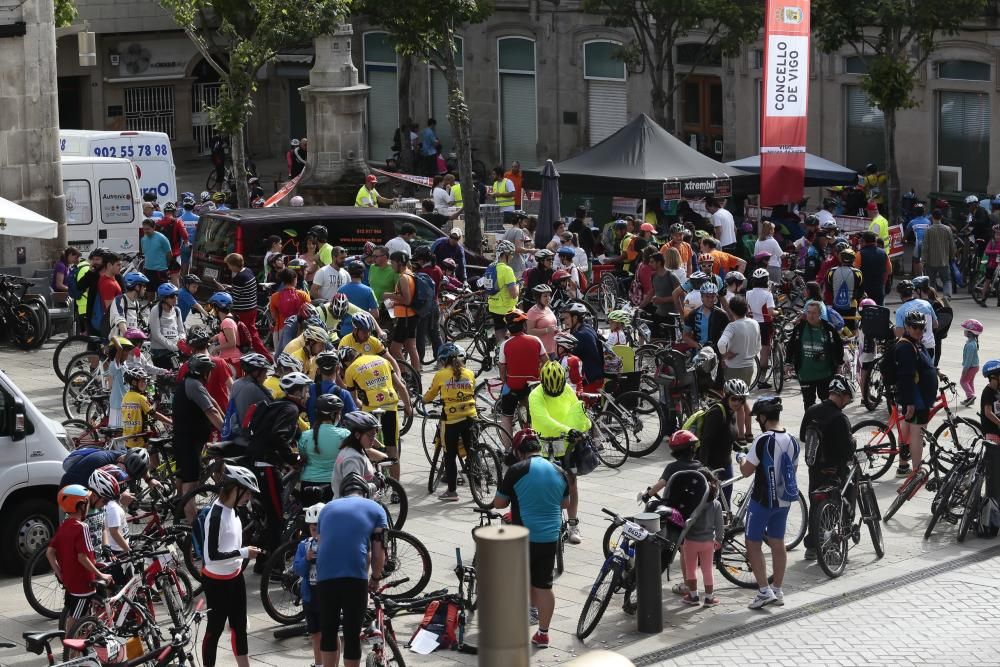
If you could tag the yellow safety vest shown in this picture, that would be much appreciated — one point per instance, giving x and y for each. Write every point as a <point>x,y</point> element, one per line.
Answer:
<point>81,271</point>
<point>456,194</point>
<point>366,199</point>
<point>501,196</point>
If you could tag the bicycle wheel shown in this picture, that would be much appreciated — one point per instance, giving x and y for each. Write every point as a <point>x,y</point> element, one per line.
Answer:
<point>173,594</point>
<point>871,397</point>
<point>608,581</point>
<point>879,443</point>
<point>437,470</point>
<point>608,293</point>
<point>981,290</point>
<point>410,378</point>
<point>870,515</point>
<point>561,551</point>
<point>970,513</point>
<point>77,394</point>
<point>493,436</point>
<point>280,591</point>
<point>953,436</point>
<point>25,328</point>
<point>81,361</point>
<point>831,538</point>
<point>80,433</point>
<point>87,626</point>
<point>42,589</point>
<point>643,417</point>
<point>796,524</point>
<point>406,556</point>
<point>903,494</point>
<point>68,348</point>
<point>37,303</point>
<point>264,324</point>
<point>734,561</point>
<point>212,182</point>
<point>942,503</point>
<point>483,468</point>
<point>394,512</point>
<point>777,366</point>
<point>428,441</point>
<point>612,446</point>
<point>593,295</point>
<point>456,327</point>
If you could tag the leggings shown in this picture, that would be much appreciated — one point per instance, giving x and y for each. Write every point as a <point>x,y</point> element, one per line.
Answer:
<point>226,600</point>
<point>811,389</point>
<point>695,554</point>
<point>349,596</point>
<point>968,381</point>
<point>450,434</point>
<point>270,495</point>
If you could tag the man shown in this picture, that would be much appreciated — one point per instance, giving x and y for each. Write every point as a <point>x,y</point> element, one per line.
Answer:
<point>123,314</point>
<point>430,326</point>
<point>826,214</point>
<point>352,540</point>
<point>404,329</point>
<point>580,227</point>
<point>500,283</point>
<point>875,267</point>
<point>724,224</point>
<point>368,196</point>
<point>519,237</point>
<point>358,294</point>
<point>194,415</point>
<point>299,156</point>
<point>915,390</point>
<point>149,211</point>
<point>911,302</point>
<point>705,324</point>
<point>176,233</point>
<point>503,191</point>
<point>739,346</point>
<point>437,219</point>
<point>825,426</point>
<point>722,262</point>
<point>916,228</point>
<point>815,256</point>
<point>539,492</point>
<point>401,242</point>
<point>451,247</point>
<point>87,275</point>
<point>980,222</point>
<point>678,243</point>
<point>108,289</point>
<point>429,147</point>
<point>662,295</point>
<point>324,253</point>
<point>331,277</point>
<point>521,357</point>
<point>816,352</point>
<point>772,460</point>
<point>845,284</point>
<point>382,279</point>
<point>515,176</point>
<point>874,184</point>
<point>588,348</point>
<point>156,254</point>
<point>879,224</point>
<point>938,251</point>
<point>219,381</point>
<point>441,193</point>
<point>248,390</point>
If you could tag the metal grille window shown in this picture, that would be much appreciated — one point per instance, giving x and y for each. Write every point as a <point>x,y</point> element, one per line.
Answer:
<point>150,109</point>
<point>964,139</point>
<point>204,95</point>
<point>865,132</point>
<point>518,103</point>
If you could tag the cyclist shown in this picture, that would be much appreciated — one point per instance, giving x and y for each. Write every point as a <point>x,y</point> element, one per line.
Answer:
<point>542,322</point>
<point>295,326</point>
<point>844,283</point>
<point>456,385</point>
<point>195,414</point>
<point>304,565</point>
<point>318,448</point>
<point>315,339</point>
<point>187,299</point>
<point>704,325</point>
<point>868,340</point>
<point>502,295</point>
<point>125,308</point>
<point>283,365</point>
<point>539,492</point>
<point>540,275</point>
<point>521,357</point>
<point>906,289</point>
<point>829,446</point>
<point>588,347</point>
<point>165,326</point>
<point>762,307</point>
<point>565,347</point>
<point>220,378</point>
<point>361,340</point>
<point>249,390</point>
<point>222,573</point>
<point>915,391</point>
<point>556,412</point>
<point>228,338</point>
<point>719,433</point>
<point>337,313</point>
<point>327,367</point>
<point>358,451</point>
<point>136,410</point>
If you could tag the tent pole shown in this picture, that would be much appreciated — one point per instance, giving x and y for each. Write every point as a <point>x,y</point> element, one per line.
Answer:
<point>643,211</point>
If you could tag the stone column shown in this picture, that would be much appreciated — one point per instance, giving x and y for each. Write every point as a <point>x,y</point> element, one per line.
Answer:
<point>335,123</point>
<point>30,171</point>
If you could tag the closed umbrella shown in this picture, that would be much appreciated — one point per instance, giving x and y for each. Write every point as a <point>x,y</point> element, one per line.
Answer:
<point>549,213</point>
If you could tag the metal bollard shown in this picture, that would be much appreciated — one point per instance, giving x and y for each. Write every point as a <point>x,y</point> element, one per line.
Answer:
<point>502,572</point>
<point>600,659</point>
<point>648,578</point>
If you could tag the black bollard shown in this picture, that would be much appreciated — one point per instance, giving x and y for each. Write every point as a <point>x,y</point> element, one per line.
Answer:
<point>648,578</point>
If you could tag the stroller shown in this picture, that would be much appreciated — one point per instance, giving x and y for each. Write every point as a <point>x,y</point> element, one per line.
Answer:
<point>680,503</point>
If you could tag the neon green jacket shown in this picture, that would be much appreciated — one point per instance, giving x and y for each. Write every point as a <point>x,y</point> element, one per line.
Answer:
<point>555,416</point>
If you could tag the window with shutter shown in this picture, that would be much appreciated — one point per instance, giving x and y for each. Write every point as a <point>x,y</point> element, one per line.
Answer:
<point>607,96</point>
<point>865,130</point>
<point>964,136</point>
<point>383,98</point>
<point>518,105</point>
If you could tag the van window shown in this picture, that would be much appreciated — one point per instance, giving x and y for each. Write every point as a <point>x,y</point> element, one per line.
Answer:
<point>216,238</point>
<point>117,201</point>
<point>426,235</point>
<point>79,208</point>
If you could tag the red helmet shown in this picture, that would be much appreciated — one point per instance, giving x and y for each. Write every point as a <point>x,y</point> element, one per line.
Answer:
<point>515,316</point>
<point>560,275</point>
<point>522,438</point>
<point>306,311</point>
<point>683,439</point>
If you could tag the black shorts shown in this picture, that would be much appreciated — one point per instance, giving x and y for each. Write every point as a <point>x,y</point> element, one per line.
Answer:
<point>188,458</point>
<point>390,430</point>
<point>311,610</point>
<point>349,596</point>
<point>499,322</point>
<point>78,606</point>
<point>404,328</point>
<point>510,401</point>
<point>156,278</point>
<point>766,332</point>
<point>543,560</point>
<point>920,416</point>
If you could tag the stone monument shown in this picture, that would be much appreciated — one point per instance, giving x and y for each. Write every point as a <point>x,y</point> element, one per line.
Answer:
<point>335,123</point>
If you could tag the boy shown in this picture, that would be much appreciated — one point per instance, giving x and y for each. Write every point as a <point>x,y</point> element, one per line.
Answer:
<point>136,410</point>
<point>186,300</point>
<point>304,565</point>
<point>71,554</point>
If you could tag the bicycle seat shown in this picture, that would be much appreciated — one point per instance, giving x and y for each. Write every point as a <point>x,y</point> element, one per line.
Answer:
<point>7,644</point>
<point>226,449</point>
<point>109,431</point>
<point>94,340</point>
<point>161,442</point>
<point>78,645</point>
<point>492,513</point>
<point>35,641</point>
<point>800,272</point>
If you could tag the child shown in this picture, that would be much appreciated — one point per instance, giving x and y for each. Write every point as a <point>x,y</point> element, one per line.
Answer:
<point>565,347</point>
<point>970,359</point>
<point>274,267</point>
<point>992,252</point>
<point>304,565</point>
<point>617,319</point>
<point>186,300</point>
<point>703,539</point>
<point>274,249</point>
<point>136,409</point>
<point>71,554</point>
<point>120,351</point>
<point>449,282</point>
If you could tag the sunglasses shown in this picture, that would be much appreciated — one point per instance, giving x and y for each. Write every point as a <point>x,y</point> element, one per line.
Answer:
<point>917,326</point>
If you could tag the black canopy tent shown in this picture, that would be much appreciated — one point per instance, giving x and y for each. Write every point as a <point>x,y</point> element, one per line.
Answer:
<point>819,171</point>
<point>636,160</point>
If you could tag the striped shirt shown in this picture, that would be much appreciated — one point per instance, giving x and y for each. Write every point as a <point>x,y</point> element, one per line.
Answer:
<point>244,291</point>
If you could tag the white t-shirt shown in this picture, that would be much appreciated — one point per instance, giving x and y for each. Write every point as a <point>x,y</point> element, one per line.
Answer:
<point>741,337</point>
<point>442,200</point>
<point>617,337</point>
<point>771,246</point>
<point>681,274</point>
<point>724,220</point>
<point>398,244</point>
<point>761,303</point>
<point>825,216</point>
<point>580,260</point>
<point>114,517</point>
<point>330,279</point>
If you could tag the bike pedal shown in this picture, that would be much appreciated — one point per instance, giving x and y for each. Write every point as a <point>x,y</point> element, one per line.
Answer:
<point>856,533</point>
<point>933,484</point>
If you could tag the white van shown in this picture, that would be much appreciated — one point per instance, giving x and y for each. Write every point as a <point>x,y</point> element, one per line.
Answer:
<point>150,151</point>
<point>103,204</point>
<point>32,449</point>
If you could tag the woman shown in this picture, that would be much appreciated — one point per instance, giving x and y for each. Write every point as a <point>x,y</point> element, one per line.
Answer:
<point>456,385</point>
<point>556,241</point>
<point>327,367</point>
<point>767,243</point>
<point>815,293</point>
<point>222,573</point>
<point>228,338</point>
<point>60,272</point>
<point>644,276</point>
<point>357,450</point>
<point>542,322</point>
<point>310,255</point>
<point>580,259</point>
<point>942,310</point>
<point>676,265</point>
<point>319,447</point>
<point>165,326</point>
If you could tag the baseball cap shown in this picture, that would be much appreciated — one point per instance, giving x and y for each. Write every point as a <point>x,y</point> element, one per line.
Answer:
<point>370,179</point>
<point>455,233</point>
<point>936,213</point>
<point>872,206</point>
<point>646,227</point>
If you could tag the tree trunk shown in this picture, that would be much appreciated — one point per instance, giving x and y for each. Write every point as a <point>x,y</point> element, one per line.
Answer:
<point>657,92</point>
<point>238,156</point>
<point>891,172</point>
<point>406,157</point>
<point>461,127</point>
<point>669,72</point>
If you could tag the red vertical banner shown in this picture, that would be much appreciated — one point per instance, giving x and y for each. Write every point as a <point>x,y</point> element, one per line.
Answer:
<point>784,102</point>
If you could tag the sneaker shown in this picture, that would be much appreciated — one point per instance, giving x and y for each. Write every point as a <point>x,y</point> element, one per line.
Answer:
<point>811,554</point>
<point>540,639</point>
<point>969,401</point>
<point>711,601</point>
<point>532,615</point>
<point>450,496</point>
<point>680,589</point>
<point>903,471</point>
<point>763,384</point>
<point>573,532</point>
<point>762,599</point>
<point>691,599</point>
<point>779,598</point>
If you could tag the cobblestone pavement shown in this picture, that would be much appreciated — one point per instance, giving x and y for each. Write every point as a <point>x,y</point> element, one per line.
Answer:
<point>963,598</point>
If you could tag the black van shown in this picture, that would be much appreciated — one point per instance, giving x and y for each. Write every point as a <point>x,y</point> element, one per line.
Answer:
<point>246,232</point>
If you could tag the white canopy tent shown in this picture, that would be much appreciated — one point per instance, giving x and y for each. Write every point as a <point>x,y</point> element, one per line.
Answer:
<point>16,220</point>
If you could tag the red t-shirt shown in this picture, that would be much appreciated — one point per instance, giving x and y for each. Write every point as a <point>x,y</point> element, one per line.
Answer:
<point>72,538</point>
<point>520,354</point>
<point>436,275</point>
<point>108,288</point>
<point>217,382</point>
<point>175,231</point>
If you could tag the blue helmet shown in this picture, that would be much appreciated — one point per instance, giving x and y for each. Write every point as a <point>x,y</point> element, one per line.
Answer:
<point>133,278</point>
<point>991,367</point>
<point>362,321</point>
<point>165,290</point>
<point>221,299</point>
<point>448,351</point>
<point>567,251</point>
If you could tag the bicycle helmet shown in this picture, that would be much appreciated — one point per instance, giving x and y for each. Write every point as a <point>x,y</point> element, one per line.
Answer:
<point>709,288</point>
<point>812,220</point>
<point>619,316</point>
<point>577,308</point>
<point>566,341</point>
<point>841,385</point>
<point>515,316</point>
<point>847,255</point>
<point>240,476</point>
<point>327,360</point>
<point>362,321</point>
<point>620,224</point>
<point>543,254</point>
<point>285,360</point>
<point>697,277</point>
<point>975,326</point>
<point>760,273</point>
<point>921,282</point>
<point>505,248</point>
<point>328,404</point>
<point>448,262</point>
<point>566,251</point>
<point>296,264</point>
<point>972,199</point>
<point>553,378</point>
<point>198,335</point>
<point>134,374</point>
<point>116,471</point>
<point>354,483</point>
<point>308,310</point>
<point>736,387</point>
<point>339,304</point>
<point>136,462</point>
<point>347,355</point>
<point>904,287</point>
<point>191,279</point>
<point>254,361</point>
<point>677,228</point>
<point>867,302</point>
<point>734,277</point>
<point>200,365</point>
<point>359,421</point>
<point>134,278</point>
<point>683,439</point>
<point>221,300</point>
<point>560,275</point>
<point>991,368</point>
<point>104,484</point>
<point>706,258</point>
<point>293,381</point>
<point>169,207</point>
<point>319,232</point>
<point>769,406</point>
<point>312,512</point>
<point>915,318</point>
<point>449,351</point>
<point>828,225</point>
<point>205,196</point>
<point>120,342</point>
<point>541,289</point>
<point>314,334</point>
<point>134,334</point>
<point>70,497</point>
<point>188,203</point>
<point>526,441</point>
<point>165,290</point>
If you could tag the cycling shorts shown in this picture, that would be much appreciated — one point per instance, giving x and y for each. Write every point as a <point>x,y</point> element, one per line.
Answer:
<point>542,557</point>
<point>404,328</point>
<point>511,399</point>
<point>766,332</point>
<point>390,429</point>
<point>499,322</point>
<point>920,416</point>
<point>765,522</point>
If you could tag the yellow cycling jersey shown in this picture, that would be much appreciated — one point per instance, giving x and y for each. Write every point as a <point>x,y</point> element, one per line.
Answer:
<point>371,377</point>
<point>458,395</point>
<point>273,386</point>
<point>135,407</point>
<point>308,361</point>
<point>555,416</point>
<point>371,346</point>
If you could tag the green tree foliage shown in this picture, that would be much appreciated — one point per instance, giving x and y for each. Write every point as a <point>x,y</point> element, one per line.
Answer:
<point>426,29</point>
<point>657,26</point>
<point>239,37</point>
<point>65,12</point>
<point>897,37</point>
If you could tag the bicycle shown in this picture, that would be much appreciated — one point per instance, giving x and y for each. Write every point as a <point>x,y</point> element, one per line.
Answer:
<point>833,513</point>
<point>957,499</point>
<point>18,320</point>
<point>642,416</point>
<point>985,286</point>
<point>478,462</point>
<point>939,461</point>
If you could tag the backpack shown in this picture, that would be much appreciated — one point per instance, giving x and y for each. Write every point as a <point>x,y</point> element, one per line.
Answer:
<point>71,285</point>
<point>423,294</point>
<point>988,521</point>
<point>813,437</point>
<point>441,618</point>
<point>289,302</point>
<point>842,297</point>
<point>783,486</point>
<point>198,532</point>
<point>695,422</point>
<point>243,338</point>
<point>875,322</point>
<point>584,283</point>
<point>887,365</point>
<point>489,280</point>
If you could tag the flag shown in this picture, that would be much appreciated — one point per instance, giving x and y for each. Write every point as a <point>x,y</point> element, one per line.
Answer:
<point>784,102</point>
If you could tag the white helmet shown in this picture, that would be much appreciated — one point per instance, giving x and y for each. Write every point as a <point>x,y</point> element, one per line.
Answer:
<point>241,476</point>
<point>294,380</point>
<point>505,248</point>
<point>312,512</point>
<point>297,201</point>
<point>972,199</point>
<point>760,273</point>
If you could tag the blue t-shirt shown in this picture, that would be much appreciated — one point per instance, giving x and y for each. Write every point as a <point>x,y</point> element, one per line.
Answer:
<point>156,251</point>
<point>360,295</point>
<point>591,353</point>
<point>185,302</point>
<point>345,527</point>
<point>924,307</point>
<point>536,489</point>
<point>319,465</point>
<point>918,226</point>
<point>190,221</point>
<point>329,387</point>
<point>79,472</point>
<point>428,139</point>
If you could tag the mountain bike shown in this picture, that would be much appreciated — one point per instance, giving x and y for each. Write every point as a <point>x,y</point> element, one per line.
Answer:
<point>985,287</point>
<point>958,497</point>
<point>939,461</point>
<point>19,322</point>
<point>477,461</point>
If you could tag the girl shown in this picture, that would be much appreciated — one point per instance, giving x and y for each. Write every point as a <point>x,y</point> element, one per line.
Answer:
<point>675,265</point>
<point>970,359</point>
<point>992,253</point>
<point>703,539</point>
<point>455,383</point>
<point>542,322</point>
<point>767,243</point>
<point>357,449</point>
<point>319,447</point>
<point>617,319</point>
<point>165,326</point>
<point>228,338</point>
<point>327,367</point>
<point>120,351</point>
<point>556,241</point>
<point>449,282</point>
<point>222,573</point>
<point>761,303</point>
<point>274,249</point>
<point>580,259</point>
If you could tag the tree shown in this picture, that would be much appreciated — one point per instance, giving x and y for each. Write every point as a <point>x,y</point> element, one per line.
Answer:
<point>239,37</point>
<point>658,25</point>
<point>897,37</point>
<point>426,29</point>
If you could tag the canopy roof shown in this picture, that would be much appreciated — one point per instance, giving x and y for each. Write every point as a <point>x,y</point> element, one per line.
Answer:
<point>819,171</point>
<point>15,220</point>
